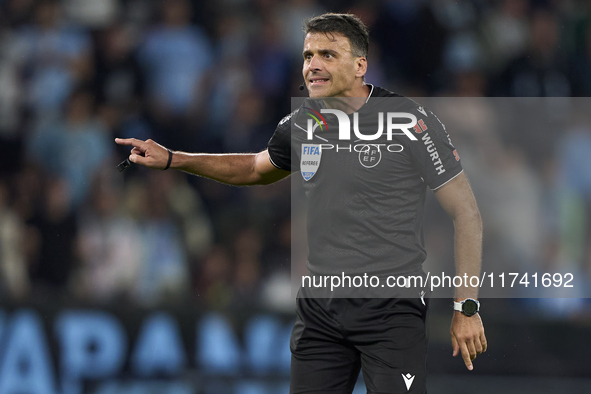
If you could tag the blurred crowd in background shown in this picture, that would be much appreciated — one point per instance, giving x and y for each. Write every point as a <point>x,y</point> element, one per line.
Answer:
<point>217,76</point>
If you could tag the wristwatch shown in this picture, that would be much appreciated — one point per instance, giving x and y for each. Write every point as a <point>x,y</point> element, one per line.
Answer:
<point>468,307</point>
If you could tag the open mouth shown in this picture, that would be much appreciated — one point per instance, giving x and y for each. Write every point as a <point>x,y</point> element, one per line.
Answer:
<point>318,81</point>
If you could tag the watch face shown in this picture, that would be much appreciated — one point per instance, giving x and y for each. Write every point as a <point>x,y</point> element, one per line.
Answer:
<point>469,307</point>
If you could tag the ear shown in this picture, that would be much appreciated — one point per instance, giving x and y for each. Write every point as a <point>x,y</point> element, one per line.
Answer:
<point>361,66</point>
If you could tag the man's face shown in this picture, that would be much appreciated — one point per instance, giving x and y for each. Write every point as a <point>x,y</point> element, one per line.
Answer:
<point>330,69</point>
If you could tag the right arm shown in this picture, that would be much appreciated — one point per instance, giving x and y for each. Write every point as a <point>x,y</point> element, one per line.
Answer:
<point>233,169</point>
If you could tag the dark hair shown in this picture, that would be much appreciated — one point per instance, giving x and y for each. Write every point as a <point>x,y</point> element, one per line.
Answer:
<point>348,25</point>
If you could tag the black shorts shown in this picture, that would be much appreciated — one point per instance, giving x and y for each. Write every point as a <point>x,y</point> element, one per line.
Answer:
<point>333,339</point>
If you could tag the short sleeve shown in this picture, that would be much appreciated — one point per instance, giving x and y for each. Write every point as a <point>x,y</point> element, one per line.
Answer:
<point>434,155</point>
<point>279,146</point>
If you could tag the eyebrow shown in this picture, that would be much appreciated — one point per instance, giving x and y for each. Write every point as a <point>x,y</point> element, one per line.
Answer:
<point>321,51</point>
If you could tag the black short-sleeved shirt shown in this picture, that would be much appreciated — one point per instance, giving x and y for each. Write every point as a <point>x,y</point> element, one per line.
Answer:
<point>366,198</point>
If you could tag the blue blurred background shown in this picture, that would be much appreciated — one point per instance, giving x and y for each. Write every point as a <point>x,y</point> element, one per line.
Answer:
<point>161,282</point>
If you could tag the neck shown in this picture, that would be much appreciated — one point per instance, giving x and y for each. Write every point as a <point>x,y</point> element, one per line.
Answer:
<point>350,103</point>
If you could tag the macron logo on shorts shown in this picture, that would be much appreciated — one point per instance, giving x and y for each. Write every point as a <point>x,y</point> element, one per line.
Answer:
<point>408,379</point>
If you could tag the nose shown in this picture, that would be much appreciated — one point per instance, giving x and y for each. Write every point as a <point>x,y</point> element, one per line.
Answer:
<point>315,64</point>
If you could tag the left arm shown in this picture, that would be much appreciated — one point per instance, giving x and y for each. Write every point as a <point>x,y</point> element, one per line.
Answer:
<point>457,199</point>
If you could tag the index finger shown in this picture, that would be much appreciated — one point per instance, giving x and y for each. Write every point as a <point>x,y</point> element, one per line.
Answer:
<point>130,141</point>
<point>466,355</point>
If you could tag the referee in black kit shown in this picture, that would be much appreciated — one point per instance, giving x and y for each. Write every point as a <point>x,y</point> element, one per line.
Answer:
<point>366,221</point>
